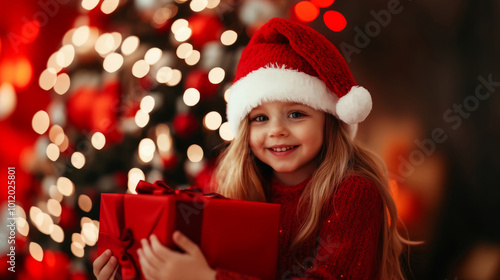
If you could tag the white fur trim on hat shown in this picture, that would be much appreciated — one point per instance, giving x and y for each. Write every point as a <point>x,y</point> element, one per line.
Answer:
<point>277,84</point>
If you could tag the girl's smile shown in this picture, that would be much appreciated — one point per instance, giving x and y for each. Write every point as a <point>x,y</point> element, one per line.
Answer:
<point>287,136</point>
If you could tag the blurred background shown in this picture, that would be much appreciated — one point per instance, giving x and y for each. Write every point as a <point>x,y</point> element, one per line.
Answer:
<point>96,95</point>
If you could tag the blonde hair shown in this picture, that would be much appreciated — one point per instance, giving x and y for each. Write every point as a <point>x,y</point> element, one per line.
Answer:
<point>240,175</point>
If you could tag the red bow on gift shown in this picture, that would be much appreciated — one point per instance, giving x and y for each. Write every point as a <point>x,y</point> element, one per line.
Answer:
<point>160,188</point>
<point>128,266</point>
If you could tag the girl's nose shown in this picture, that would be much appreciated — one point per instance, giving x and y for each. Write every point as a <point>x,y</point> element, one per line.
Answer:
<point>277,128</point>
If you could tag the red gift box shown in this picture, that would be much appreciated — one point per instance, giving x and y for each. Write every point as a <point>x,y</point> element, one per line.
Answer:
<point>236,235</point>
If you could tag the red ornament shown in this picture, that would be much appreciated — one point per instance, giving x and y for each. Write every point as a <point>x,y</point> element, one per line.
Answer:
<point>205,28</point>
<point>185,125</point>
<point>69,220</point>
<point>79,107</point>
<point>198,79</point>
<point>95,110</point>
<point>169,162</point>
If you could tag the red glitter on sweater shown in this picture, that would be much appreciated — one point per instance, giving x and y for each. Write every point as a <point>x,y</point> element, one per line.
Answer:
<point>344,245</point>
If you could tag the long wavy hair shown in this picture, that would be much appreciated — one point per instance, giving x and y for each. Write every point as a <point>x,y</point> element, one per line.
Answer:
<point>240,175</point>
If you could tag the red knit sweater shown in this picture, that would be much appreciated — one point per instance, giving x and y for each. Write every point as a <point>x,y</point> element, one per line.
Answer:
<point>345,244</point>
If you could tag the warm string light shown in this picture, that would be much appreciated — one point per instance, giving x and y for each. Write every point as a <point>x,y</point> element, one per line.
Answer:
<point>153,55</point>
<point>198,5</point>
<point>78,160</point>
<point>146,150</point>
<point>89,4</point>
<point>228,37</point>
<point>56,134</point>
<point>62,84</point>
<point>216,75</point>
<point>225,132</point>
<point>36,251</point>
<point>129,45</point>
<point>212,120</point>
<point>164,74</point>
<point>40,122</point>
<point>193,58</point>
<point>98,140</point>
<point>163,140</point>
<point>109,6</point>
<point>85,203</point>
<point>176,78</point>
<point>195,153</point>
<point>141,118</point>
<point>8,100</point>
<point>65,186</point>
<point>134,176</point>
<point>147,103</point>
<point>140,68</point>
<point>52,152</point>
<point>191,96</point>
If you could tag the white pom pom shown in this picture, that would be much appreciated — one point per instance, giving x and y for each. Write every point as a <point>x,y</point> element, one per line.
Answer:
<point>355,106</point>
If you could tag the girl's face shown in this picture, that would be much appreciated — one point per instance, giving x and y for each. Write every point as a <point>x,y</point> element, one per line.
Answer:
<point>287,136</point>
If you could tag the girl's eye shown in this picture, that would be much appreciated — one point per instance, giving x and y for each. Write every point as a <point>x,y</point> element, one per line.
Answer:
<point>260,118</point>
<point>296,115</point>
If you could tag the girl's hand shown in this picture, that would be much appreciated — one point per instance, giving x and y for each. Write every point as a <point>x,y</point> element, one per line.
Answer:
<point>160,262</point>
<point>105,266</point>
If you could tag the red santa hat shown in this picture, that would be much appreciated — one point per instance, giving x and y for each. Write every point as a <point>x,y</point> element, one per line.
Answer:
<point>286,61</point>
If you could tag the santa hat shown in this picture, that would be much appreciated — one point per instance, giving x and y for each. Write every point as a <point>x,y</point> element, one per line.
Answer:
<point>286,61</point>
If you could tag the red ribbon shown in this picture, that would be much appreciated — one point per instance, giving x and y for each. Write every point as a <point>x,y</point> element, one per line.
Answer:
<point>128,268</point>
<point>160,188</point>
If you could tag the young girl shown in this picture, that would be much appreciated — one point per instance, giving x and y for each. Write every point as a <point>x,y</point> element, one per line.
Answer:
<point>294,109</point>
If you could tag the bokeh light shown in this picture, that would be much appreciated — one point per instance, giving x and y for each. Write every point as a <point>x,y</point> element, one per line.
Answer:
<point>36,251</point>
<point>65,186</point>
<point>195,153</point>
<point>40,122</point>
<point>140,68</point>
<point>164,74</point>
<point>229,37</point>
<point>78,160</point>
<point>212,120</point>
<point>48,78</point>
<point>62,84</point>
<point>153,55</point>
<point>225,132</point>
<point>8,100</point>
<point>141,118</point>
<point>109,6</point>
<point>306,11</point>
<point>193,58</point>
<point>147,103</point>
<point>322,3</point>
<point>216,75</point>
<point>146,150</point>
<point>191,96</point>
<point>129,45</point>
<point>85,203</point>
<point>134,176</point>
<point>335,21</point>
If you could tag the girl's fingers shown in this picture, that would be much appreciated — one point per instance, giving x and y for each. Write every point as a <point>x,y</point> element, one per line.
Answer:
<point>146,267</point>
<point>114,272</point>
<point>150,256</point>
<point>185,243</point>
<point>159,249</point>
<point>101,261</point>
<point>108,269</point>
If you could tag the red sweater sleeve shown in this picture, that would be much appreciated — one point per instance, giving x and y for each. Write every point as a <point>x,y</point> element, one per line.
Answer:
<point>348,239</point>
